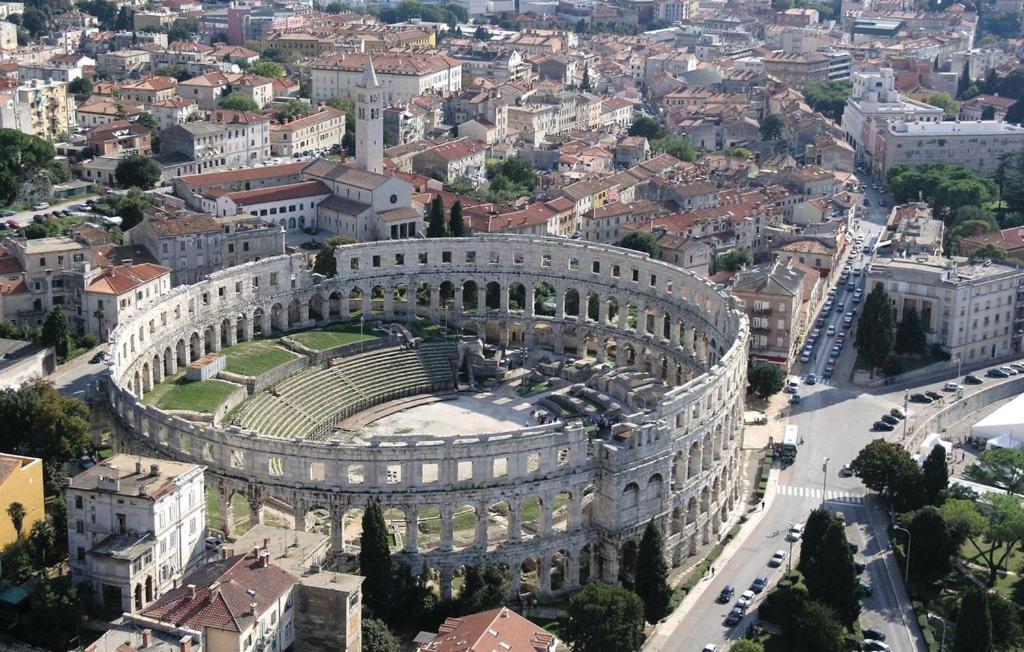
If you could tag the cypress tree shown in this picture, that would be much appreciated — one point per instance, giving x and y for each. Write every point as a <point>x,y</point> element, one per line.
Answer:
<point>57,333</point>
<point>652,575</point>
<point>974,624</point>
<point>831,578</point>
<point>936,476</point>
<point>814,532</point>
<point>456,225</point>
<point>375,560</point>
<point>585,85</point>
<point>435,222</point>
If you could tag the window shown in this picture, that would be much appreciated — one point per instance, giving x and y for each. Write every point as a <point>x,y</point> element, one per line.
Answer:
<point>78,502</point>
<point>394,199</point>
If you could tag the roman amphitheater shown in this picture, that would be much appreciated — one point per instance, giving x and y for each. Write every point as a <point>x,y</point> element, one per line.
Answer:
<point>531,399</point>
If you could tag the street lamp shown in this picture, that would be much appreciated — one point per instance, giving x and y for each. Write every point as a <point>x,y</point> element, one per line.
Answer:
<point>959,365</point>
<point>942,643</point>
<point>906,571</point>
<point>906,414</point>
<point>789,560</point>
<point>824,480</point>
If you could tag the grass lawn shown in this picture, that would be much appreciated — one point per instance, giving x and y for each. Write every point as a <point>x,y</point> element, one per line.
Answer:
<point>239,510</point>
<point>1009,585</point>
<point>320,340</point>
<point>256,357</point>
<point>180,394</point>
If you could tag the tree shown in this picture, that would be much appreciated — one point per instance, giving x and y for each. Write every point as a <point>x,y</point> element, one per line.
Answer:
<point>817,525</point>
<point>601,618</point>
<point>829,98</point>
<point>747,645</point>
<point>435,221</point>
<point>888,469</point>
<point>131,207</point>
<point>945,187</point>
<point>974,623</point>
<point>875,327</point>
<point>765,379</point>
<point>375,560</point>
<point>239,101</point>
<point>815,627</point>
<point>910,334</point>
<point>147,120</point>
<point>378,638</point>
<point>24,156</point>
<point>136,171</point>
<point>483,588</point>
<point>677,146</point>
<point>34,22</point>
<point>270,69</point>
<point>932,545</point>
<point>456,225</point>
<point>999,467</point>
<point>292,109</point>
<point>639,241</point>
<point>57,333</point>
<point>325,263</point>
<point>16,512</point>
<point>988,112</point>
<point>80,86</point>
<point>648,128</point>
<point>1007,630</point>
<point>936,475</point>
<point>945,102</point>
<point>988,251</point>
<point>772,126</point>
<point>123,22</point>
<point>585,83</point>
<point>1015,114</point>
<point>652,575</point>
<point>55,618</point>
<point>994,528</point>
<point>481,34</point>
<point>831,578</point>
<point>734,260</point>
<point>41,543</point>
<point>963,82</point>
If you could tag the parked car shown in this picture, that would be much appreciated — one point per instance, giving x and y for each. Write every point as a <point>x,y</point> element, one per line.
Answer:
<point>845,471</point>
<point>745,599</point>
<point>898,413</point>
<point>42,206</point>
<point>777,558</point>
<point>7,213</point>
<point>795,532</point>
<point>86,462</point>
<point>794,399</point>
<point>810,379</point>
<point>935,396</point>
<point>971,379</point>
<point>921,398</point>
<point>1009,371</point>
<point>883,426</point>
<point>997,373</point>
<point>831,329</point>
<point>726,595</point>
<point>759,584</point>
<point>872,645</point>
<point>710,647</point>
<point>951,387</point>
<point>97,358</point>
<point>805,357</point>
<point>213,543</point>
<point>734,617</point>
<point>890,419</point>
<point>873,634</point>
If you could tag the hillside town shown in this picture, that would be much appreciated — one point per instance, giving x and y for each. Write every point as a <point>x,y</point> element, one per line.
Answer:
<point>529,326</point>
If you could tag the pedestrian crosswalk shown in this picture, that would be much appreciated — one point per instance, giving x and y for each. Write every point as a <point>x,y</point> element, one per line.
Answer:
<point>846,497</point>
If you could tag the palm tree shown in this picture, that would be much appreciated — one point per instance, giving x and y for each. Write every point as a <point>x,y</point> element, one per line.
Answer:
<point>17,513</point>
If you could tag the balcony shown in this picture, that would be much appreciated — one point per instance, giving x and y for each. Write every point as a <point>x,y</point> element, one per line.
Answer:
<point>762,330</point>
<point>762,311</point>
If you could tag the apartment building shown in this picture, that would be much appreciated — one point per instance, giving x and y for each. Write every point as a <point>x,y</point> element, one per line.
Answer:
<point>978,146</point>
<point>118,291</point>
<point>135,527</point>
<point>320,130</point>
<point>776,297</point>
<point>248,238</point>
<point>190,244</point>
<point>123,64</point>
<point>798,70</point>
<point>43,109</point>
<point>446,162</point>
<point>150,90</point>
<point>968,309</point>
<point>120,138</point>
<point>233,139</point>
<point>208,90</point>
<point>402,76</point>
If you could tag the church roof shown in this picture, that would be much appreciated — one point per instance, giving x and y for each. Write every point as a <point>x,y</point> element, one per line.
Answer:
<point>370,75</point>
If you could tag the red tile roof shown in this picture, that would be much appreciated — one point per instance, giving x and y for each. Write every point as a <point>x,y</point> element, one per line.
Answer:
<point>498,629</point>
<point>125,278</point>
<point>298,190</point>
<point>245,174</point>
<point>219,595</point>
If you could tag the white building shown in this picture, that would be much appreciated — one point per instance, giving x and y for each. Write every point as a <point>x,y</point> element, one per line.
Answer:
<point>118,291</point>
<point>875,102</point>
<point>967,309</point>
<point>977,145</point>
<point>402,77</point>
<point>135,527</point>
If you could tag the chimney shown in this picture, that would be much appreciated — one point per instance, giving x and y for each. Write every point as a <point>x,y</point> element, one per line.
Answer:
<point>191,588</point>
<point>214,591</point>
<point>147,637</point>
<point>256,552</point>
<point>266,543</point>
<point>154,470</point>
<point>264,559</point>
<point>138,468</point>
<point>185,644</point>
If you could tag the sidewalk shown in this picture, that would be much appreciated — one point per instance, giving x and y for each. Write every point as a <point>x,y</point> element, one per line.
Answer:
<point>664,630</point>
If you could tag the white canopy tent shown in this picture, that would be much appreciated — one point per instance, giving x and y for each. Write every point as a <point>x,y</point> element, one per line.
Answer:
<point>1004,428</point>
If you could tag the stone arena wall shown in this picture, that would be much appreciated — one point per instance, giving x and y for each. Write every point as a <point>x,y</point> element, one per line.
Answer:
<point>679,465</point>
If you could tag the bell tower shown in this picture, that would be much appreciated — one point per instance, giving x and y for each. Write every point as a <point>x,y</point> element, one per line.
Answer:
<point>369,122</point>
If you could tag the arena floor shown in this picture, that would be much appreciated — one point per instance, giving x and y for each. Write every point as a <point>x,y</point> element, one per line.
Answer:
<point>480,413</point>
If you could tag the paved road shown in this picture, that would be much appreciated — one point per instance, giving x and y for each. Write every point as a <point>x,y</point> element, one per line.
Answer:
<point>75,377</point>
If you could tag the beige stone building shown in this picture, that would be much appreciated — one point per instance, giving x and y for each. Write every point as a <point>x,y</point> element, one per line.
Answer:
<point>775,297</point>
<point>316,131</point>
<point>43,109</point>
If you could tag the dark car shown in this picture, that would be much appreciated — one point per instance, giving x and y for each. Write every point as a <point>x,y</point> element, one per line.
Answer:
<point>876,646</point>
<point>810,379</point>
<point>873,634</point>
<point>933,395</point>
<point>726,595</point>
<point>921,398</point>
<point>890,419</point>
<point>759,584</point>
<point>97,358</point>
<point>971,379</point>
<point>997,373</point>
<point>882,425</point>
<point>820,322</point>
<point>734,617</point>
<point>845,471</point>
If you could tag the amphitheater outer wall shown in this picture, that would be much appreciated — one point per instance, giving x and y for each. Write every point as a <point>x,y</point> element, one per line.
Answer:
<point>680,465</point>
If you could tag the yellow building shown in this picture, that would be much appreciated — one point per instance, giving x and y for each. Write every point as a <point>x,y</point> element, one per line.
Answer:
<point>21,481</point>
<point>43,109</point>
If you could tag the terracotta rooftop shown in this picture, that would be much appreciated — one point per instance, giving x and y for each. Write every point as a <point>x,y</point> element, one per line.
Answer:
<point>498,629</point>
<point>298,190</point>
<point>184,225</point>
<point>125,278</point>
